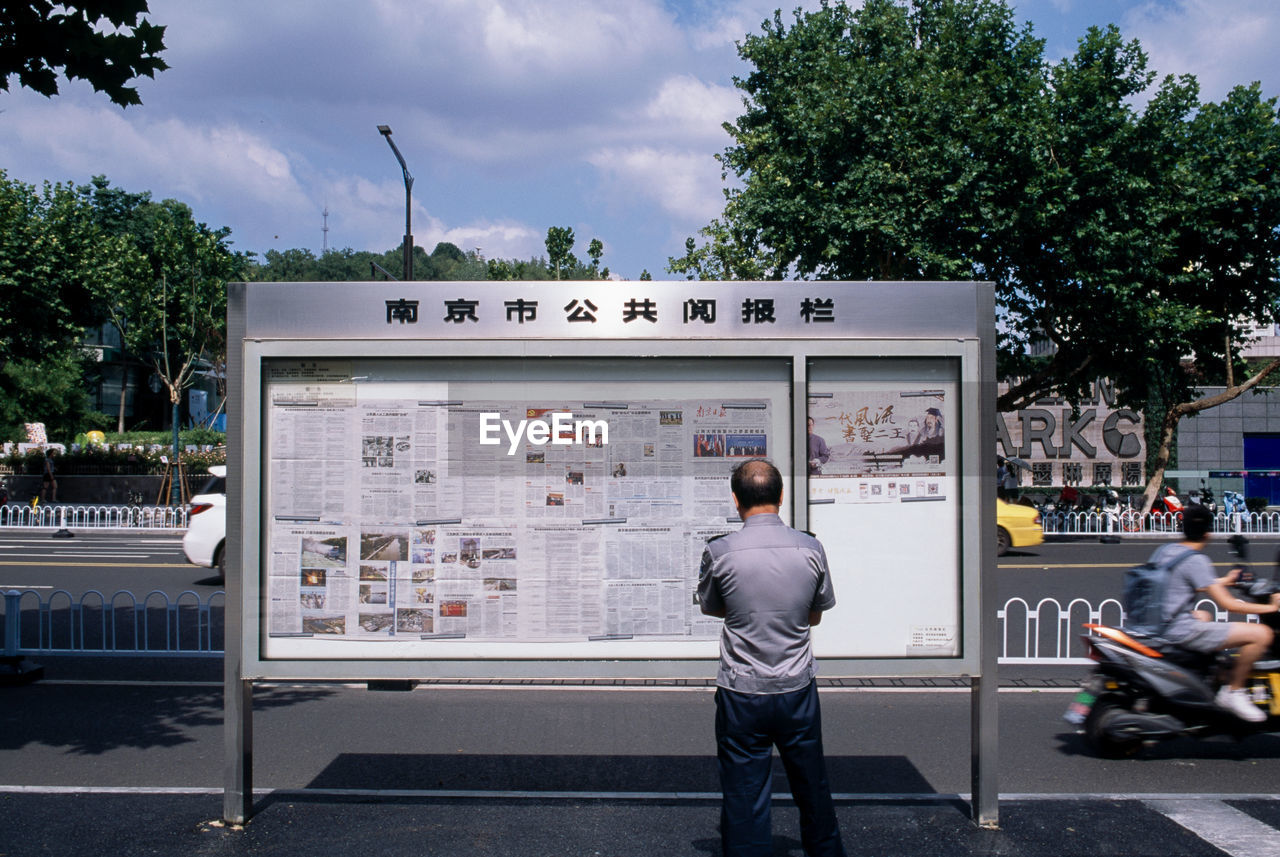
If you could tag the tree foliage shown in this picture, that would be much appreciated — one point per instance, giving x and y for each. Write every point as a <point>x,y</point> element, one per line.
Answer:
<point>1118,217</point>
<point>33,318</point>
<point>74,257</point>
<point>560,249</point>
<point>107,43</point>
<point>446,262</point>
<point>51,258</point>
<point>170,302</point>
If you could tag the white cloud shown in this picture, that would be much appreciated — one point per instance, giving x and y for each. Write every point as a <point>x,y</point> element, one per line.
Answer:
<point>170,156</point>
<point>495,240</point>
<point>694,108</point>
<point>724,24</point>
<point>560,36</point>
<point>684,184</point>
<point>370,215</point>
<point>1221,42</point>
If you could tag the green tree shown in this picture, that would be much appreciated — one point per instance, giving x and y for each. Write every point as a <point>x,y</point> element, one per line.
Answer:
<point>345,265</point>
<point>51,390</point>
<point>167,297</point>
<point>930,139</point>
<point>595,251</point>
<point>107,43</point>
<point>1224,218</point>
<point>560,250</point>
<point>51,259</point>
<point>500,269</point>
<point>296,265</point>
<point>179,311</point>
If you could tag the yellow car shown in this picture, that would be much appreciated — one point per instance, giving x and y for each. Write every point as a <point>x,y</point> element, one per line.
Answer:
<point>1016,527</point>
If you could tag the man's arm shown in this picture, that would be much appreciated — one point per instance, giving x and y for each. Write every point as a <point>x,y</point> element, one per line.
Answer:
<point>1223,597</point>
<point>815,617</point>
<point>709,601</point>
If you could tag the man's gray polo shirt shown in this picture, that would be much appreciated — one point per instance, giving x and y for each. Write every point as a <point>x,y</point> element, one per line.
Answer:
<point>766,578</point>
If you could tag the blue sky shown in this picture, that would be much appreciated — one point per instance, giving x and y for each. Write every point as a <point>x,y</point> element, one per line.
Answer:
<point>513,115</point>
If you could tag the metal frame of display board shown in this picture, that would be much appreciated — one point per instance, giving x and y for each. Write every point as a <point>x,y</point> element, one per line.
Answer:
<point>803,324</point>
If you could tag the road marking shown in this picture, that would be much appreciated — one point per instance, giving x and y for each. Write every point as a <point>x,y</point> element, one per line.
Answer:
<point>92,555</point>
<point>553,688</point>
<point>101,564</point>
<point>1224,827</point>
<point>1048,565</point>
<point>1250,848</point>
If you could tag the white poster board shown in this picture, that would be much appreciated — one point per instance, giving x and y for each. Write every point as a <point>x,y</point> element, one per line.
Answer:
<point>884,493</point>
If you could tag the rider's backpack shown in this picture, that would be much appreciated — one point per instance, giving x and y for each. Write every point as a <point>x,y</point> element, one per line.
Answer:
<point>1144,588</point>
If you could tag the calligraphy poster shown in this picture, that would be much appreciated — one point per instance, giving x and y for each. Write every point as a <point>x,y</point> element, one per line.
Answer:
<point>875,445</point>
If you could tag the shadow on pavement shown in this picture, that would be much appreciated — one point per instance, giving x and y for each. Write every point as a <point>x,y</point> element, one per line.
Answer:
<point>1262,745</point>
<point>559,773</point>
<point>95,720</point>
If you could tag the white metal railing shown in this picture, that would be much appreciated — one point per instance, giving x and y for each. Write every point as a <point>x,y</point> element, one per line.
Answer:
<point>22,515</point>
<point>1044,634</point>
<point>1129,522</point>
<point>122,625</point>
<point>1049,633</point>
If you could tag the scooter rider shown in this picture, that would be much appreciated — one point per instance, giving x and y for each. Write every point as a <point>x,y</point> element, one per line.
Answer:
<point>1195,630</point>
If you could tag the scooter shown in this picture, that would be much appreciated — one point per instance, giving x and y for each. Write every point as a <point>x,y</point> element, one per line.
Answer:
<point>1204,497</point>
<point>1146,690</point>
<point>1168,503</point>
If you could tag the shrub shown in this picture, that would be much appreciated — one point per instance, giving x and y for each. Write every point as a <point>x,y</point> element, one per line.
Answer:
<point>99,459</point>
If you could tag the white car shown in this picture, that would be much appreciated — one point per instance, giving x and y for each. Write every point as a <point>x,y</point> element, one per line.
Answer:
<point>206,538</point>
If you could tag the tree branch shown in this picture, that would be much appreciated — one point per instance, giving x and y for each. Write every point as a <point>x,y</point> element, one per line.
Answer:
<point>1029,389</point>
<point>1182,409</point>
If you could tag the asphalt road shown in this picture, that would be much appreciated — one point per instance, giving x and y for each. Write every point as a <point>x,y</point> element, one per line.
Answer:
<point>134,748</point>
<point>108,562</point>
<point>105,562</point>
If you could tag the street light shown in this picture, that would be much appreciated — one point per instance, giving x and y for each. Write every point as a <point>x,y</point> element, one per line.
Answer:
<point>385,130</point>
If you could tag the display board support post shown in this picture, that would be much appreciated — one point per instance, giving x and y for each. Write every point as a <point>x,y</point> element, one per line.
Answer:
<point>800,451</point>
<point>984,700</point>
<point>983,718</point>
<point>237,798</point>
<point>237,691</point>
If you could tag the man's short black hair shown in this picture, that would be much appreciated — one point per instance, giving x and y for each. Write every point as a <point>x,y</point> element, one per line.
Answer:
<point>756,483</point>
<point>1196,521</point>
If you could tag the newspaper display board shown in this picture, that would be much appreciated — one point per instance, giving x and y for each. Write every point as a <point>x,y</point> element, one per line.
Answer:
<point>438,519</point>
<point>422,485</point>
<point>399,505</point>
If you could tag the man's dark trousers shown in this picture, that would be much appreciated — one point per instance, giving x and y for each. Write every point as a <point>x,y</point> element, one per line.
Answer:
<point>747,728</point>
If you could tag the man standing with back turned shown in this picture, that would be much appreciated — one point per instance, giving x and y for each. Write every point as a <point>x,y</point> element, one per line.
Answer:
<point>769,583</point>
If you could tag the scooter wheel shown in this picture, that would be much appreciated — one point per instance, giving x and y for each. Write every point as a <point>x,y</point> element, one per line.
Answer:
<point>1096,736</point>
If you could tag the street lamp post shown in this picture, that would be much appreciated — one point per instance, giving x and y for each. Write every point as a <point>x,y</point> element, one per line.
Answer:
<point>385,130</point>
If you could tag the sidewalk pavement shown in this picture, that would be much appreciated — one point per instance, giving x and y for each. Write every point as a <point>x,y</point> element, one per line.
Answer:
<point>143,745</point>
<point>300,824</point>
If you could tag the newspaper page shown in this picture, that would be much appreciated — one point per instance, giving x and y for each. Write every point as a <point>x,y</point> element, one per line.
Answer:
<point>424,517</point>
